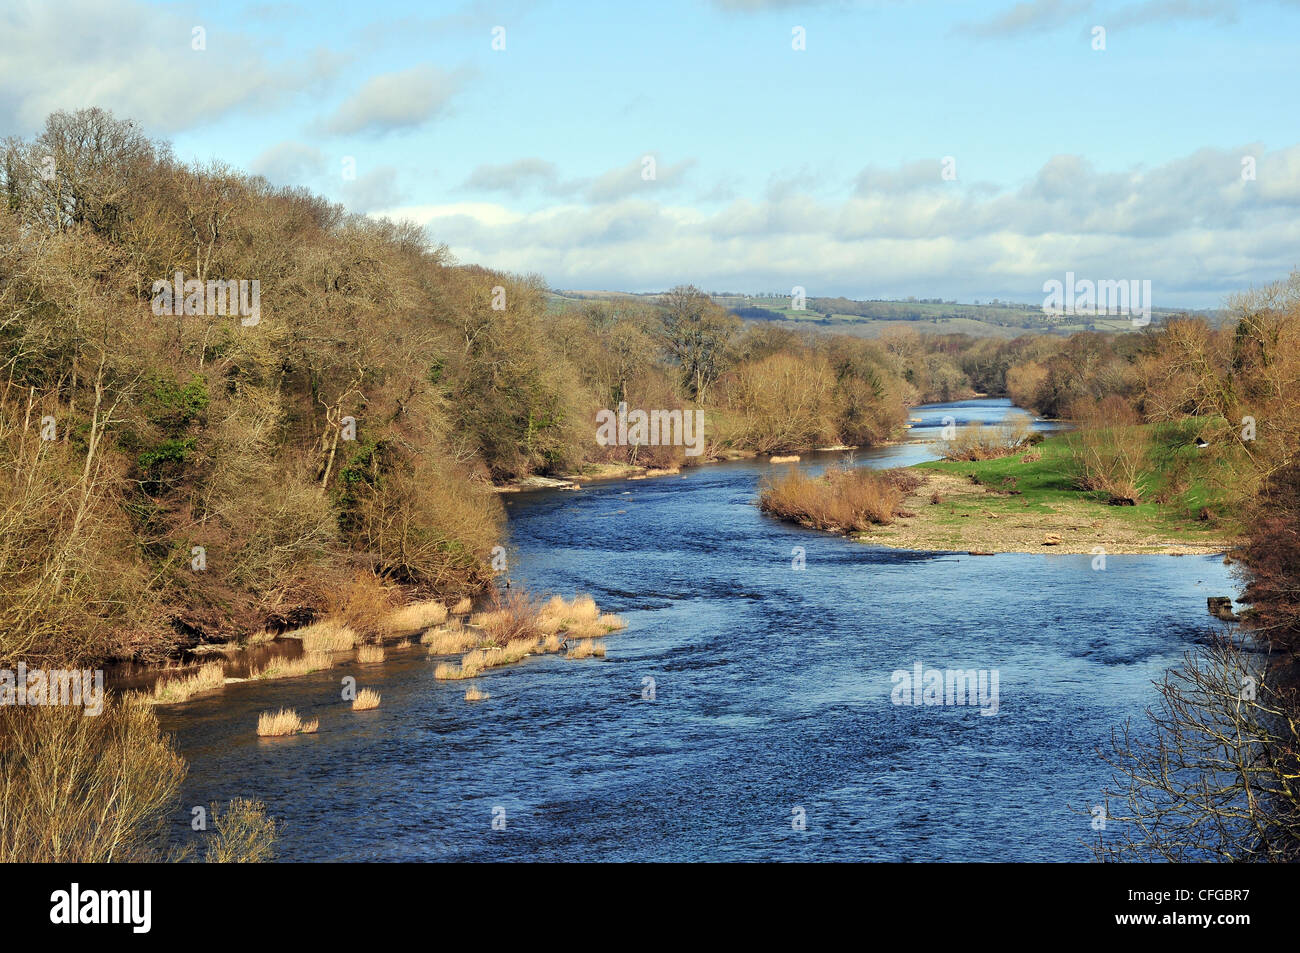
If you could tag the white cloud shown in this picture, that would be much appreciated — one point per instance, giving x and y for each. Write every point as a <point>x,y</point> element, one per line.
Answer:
<point>289,163</point>
<point>136,60</point>
<point>1193,226</point>
<point>1031,16</point>
<point>531,174</point>
<point>514,177</point>
<point>393,101</point>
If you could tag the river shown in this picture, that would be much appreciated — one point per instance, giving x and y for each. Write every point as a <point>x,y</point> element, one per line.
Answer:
<point>771,734</point>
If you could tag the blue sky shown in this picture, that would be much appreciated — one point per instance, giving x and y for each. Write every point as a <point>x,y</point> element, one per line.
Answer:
<point>819,167</point>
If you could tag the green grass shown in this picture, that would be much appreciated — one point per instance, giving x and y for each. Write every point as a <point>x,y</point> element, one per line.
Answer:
<point>1177,484</point>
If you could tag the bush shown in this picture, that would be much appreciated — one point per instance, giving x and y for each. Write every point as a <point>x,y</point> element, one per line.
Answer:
<point>842,499</point>
<point>1110,451</point>
<point>242,833</point>
<point>85,789</point>
<point>979,442</point>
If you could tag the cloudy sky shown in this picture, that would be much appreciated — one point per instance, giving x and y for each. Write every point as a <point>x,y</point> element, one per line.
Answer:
<point>772,166</point>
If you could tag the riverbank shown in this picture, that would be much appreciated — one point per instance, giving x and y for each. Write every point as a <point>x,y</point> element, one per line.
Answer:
<point>604,472</point>
<point>949,513</point>
<point>1024,502</point>
<point>1030,502</point>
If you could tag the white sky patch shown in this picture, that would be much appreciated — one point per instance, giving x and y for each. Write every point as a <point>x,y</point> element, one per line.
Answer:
<point>485,213</point>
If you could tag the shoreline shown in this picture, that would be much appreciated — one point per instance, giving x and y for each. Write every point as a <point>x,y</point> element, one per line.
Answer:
<point>970,518</point>
<point>607,472</point>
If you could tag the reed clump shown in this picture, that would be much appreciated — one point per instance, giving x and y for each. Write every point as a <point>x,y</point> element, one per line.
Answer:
<point>286,721</point>
<point>328,635</point>
<point>513,627</point>
<point>450,639</point>
<point>415,617</point>
<point>172,691</point>
<point>587,648</point>
<point>366,699</point>
<point>304,664</point>
<point>579,619</point>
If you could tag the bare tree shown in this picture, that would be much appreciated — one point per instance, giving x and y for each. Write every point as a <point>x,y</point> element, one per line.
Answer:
<point>696,333</point>
<point>1213,774</point>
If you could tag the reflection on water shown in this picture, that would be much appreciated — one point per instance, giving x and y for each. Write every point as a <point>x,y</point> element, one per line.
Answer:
<point>772,694</point>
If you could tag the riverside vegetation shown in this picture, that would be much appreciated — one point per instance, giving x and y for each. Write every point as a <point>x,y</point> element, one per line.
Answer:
<point>185,480</point>
<point>1184,440</point>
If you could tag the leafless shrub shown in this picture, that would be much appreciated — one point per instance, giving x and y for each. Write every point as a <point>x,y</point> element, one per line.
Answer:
<point>981,442</point>
<point>840,499</point>
<point>1212,775</point>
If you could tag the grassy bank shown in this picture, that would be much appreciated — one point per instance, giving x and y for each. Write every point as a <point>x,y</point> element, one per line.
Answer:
<point>1012,504</point>
<point>1019,502</point>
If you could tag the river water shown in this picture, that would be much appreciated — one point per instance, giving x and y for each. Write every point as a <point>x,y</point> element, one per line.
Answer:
<point>771,734</point>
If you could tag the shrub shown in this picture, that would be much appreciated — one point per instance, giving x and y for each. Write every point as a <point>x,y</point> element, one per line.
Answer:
<point>85,790</point>
<point>105,790</point>
<point>981,442</point>
<point>510,618</point>
<point>1110,450</point>
<point>841,499</point>
<point>242,833</point>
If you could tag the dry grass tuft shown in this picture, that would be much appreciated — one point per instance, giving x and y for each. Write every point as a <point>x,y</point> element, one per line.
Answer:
<point>475,694</point>
<point>450,640</point>
<point>580,618</point>
<point>275,724</point>
<point>328,635</point>
<point>450,672</point>
<point>366,699</point>
<point>370,653</point>
<point>511,617</point>
<point>463,607</point>
<point>587,648</point>
<point>304,664</point>
<point>171,691</point>
<point>416,617</point>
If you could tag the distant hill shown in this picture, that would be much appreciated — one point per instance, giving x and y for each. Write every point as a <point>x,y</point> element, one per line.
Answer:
<point>926,315</point>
